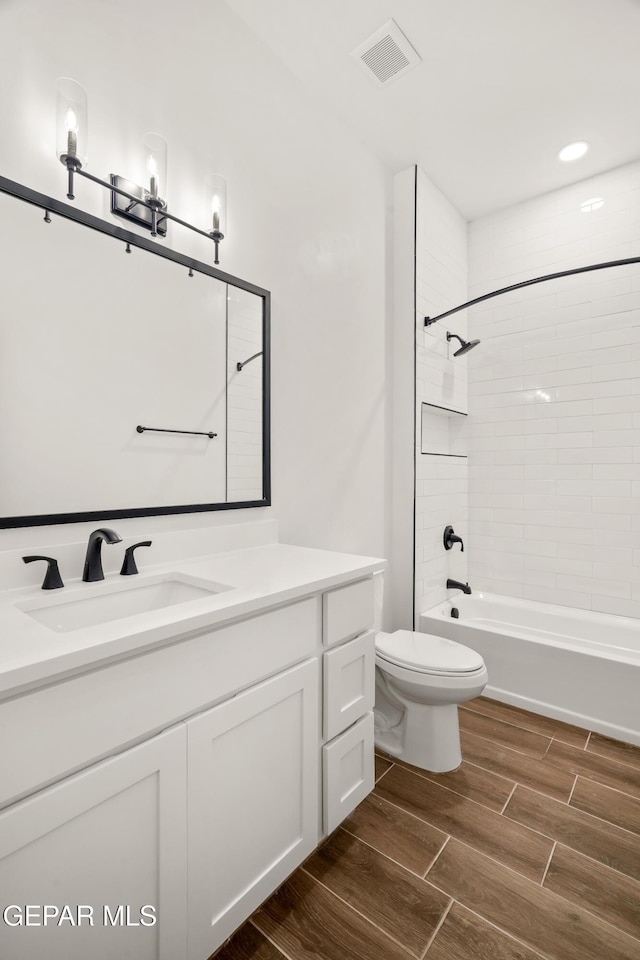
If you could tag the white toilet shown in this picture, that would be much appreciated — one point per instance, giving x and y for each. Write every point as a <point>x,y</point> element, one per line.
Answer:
<point>420,680</point>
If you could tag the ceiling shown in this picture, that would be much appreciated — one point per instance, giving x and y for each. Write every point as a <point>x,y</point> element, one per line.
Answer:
<point>502,86</point>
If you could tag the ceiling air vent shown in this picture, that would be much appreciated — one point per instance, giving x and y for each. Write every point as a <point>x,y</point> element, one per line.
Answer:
<point>387,54</point>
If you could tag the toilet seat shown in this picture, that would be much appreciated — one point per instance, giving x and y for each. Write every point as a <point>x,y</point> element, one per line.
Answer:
<point>427,653</point>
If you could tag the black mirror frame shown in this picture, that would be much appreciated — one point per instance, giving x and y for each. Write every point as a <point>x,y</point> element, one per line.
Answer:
<point>56,207</point>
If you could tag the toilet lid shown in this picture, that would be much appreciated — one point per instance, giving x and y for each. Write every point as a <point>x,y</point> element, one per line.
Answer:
<point>427,652</point>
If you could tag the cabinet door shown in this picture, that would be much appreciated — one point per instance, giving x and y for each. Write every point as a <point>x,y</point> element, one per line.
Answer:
<point>349,683</point>
<point>348,772</point>
<point>253,800</point>
<point>109,846</point>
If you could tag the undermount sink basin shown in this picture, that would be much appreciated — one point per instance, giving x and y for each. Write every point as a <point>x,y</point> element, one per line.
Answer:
<point>92,604</point>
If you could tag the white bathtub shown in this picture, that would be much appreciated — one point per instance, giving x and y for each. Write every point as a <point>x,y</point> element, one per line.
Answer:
<point>573,665</point>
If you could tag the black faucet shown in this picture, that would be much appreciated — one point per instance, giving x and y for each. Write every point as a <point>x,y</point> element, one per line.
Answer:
<point>456,585</point>
<point>93,560</point>
<point>449,537</point>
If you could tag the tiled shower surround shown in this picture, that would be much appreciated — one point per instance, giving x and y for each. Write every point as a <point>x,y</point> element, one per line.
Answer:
<point>441,389</point>
<point>554,400</point>
<point>545,489</point>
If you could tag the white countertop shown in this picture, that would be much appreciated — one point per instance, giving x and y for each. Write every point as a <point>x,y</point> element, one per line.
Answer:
<point>260,577</point>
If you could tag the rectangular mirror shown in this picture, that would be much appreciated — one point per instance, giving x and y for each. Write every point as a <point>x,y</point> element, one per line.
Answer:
<point>133,380</point>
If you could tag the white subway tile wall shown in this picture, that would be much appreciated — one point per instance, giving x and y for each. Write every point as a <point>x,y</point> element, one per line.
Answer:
<point>441,381</point>
<point>244,396</point>
<point>554,400</point>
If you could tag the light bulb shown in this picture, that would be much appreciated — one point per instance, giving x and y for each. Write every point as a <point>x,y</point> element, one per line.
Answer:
<point>216,188</point>
<point>71,122</point>
<point>155,158</point>
<point>216,208</point>
<point>152,167</point>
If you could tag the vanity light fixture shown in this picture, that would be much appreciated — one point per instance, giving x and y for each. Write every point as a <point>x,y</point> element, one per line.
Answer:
<point>144,205</point>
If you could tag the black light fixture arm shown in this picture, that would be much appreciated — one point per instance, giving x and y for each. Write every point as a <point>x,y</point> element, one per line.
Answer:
<point>156,207</point>
<point>528,283</point>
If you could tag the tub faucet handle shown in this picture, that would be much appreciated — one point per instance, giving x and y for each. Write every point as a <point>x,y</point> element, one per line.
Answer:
<point>449,537</point>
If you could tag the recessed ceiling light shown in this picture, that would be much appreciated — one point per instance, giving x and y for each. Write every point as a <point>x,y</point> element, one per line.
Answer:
<point>573,151</point>
<point>594,203</point>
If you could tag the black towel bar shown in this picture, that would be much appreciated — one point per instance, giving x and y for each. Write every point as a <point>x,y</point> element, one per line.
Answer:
<point>193,433</point>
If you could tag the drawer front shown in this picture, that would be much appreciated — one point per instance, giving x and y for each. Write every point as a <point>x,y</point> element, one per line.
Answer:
<point>349,683</point>
<point>347,612</point>
<point>348,772</point>
<point>52,732</point>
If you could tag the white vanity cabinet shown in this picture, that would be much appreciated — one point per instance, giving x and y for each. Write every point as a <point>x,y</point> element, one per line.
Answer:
<point>109,844</point>
<point>187,782</point>
<point>253,801</point>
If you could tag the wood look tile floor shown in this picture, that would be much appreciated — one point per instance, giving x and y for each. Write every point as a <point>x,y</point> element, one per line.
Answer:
<point>530,850</point>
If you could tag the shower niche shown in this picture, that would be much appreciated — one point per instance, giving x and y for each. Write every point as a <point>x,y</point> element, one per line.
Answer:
<point>442,431</point>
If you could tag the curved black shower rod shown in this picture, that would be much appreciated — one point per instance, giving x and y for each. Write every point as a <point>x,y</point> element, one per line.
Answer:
<point>527,283</point>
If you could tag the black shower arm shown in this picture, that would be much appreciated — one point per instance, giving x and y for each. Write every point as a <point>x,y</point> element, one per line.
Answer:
<point>239,365</point>
<point>528,283</point>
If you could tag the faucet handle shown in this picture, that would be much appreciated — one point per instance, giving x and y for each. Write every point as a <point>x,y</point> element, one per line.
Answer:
<point>52,579</point>
<point>449,537</point>
<point>129,567</point>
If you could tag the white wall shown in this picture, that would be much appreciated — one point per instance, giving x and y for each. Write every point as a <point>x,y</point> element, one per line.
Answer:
<point>307,220</point>
<point>555,400</point>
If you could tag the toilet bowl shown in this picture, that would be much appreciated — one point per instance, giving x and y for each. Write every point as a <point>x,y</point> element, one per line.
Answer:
<point>420,680</point>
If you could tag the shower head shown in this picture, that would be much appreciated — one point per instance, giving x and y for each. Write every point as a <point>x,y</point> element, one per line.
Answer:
<point>465,345</point>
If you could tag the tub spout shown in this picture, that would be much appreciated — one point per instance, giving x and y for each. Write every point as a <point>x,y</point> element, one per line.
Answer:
<point>456,585</point>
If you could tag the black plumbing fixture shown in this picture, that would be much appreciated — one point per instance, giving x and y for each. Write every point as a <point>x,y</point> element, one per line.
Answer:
<point>239,365</point>
<point>456,585</point>
<point>455,613</point>
<point>465,345</point>
<point>129,568</point>
<point>93,560</point>
<point>449,537</point>
<point>52,579</point>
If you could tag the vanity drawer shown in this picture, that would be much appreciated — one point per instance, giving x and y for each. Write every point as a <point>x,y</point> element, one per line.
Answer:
<point>347,611</point>
<point>59,729</point>
<point>349,683</point>
<point>348,772</point>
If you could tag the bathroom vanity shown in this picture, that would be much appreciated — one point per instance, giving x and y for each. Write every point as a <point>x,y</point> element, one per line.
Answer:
<point>167,770</point>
